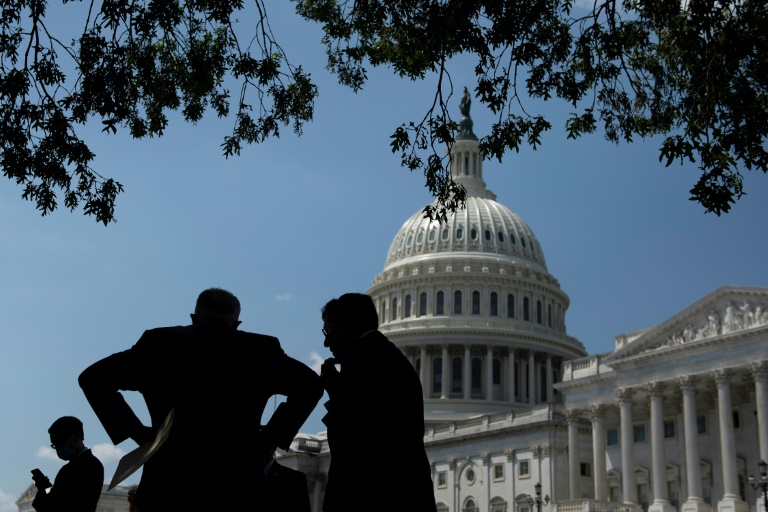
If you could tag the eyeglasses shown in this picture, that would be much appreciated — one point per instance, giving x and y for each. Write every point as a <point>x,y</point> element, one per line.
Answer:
<point>325,333</point>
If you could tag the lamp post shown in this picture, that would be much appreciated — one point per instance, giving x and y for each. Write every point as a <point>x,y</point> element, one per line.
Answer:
<point>538,501</point>
<point>762,483</point>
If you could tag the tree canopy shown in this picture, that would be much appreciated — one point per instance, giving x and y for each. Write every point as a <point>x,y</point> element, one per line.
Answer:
<point>693,72</point>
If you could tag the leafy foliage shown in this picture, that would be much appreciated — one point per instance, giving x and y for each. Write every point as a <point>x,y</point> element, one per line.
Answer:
<point>693,72</point>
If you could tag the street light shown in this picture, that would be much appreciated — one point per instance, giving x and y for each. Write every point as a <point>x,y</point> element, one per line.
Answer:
<point>538,501</point>
<point>761,484</point>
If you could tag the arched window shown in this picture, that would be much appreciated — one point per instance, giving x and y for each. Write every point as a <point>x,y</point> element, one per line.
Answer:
<point>420,237</point>
<point>456,381</point>
<point>423,304</point>
<point>522,241</point>
<point>487,234</point>
<point>437,375</point>
<point>444,236</point>
<point>457,302</point>
<point>440,303</point>
<point>431,237</point>
<point>526,309</point>
<point>473,233</point>
<point>407,311</point>
<point>539,316</point>
<point>475,302</point>
<point>394,308</point>
<point>512,239</point>
<point>501,237</point>
<point>494,304</point>
<point>459,233</point>
<point>470,506</point>
<point>510,305</point>
<point>477,376</point>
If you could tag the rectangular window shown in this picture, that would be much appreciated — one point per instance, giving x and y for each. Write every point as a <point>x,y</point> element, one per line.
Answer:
<point>669,428</point>
<point>612,435</point>
<point>639,433</point>
<point>523,469</point>
<point>585,469</point>
<point>736,419</point>
<point>441,480</point>
<point>701,424</point>
<point>498,472</point>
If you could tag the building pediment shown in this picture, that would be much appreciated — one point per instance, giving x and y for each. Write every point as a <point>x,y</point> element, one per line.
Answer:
<point>725,311</point>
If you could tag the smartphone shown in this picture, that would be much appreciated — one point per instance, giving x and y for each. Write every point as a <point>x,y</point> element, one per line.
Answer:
<point>37,474</point>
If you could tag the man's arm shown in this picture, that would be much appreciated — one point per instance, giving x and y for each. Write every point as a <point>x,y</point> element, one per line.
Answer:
<point>302,388</point>
<point>101,382</point>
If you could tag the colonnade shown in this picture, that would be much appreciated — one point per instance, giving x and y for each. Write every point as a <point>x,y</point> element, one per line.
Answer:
<point>518,375</point>
<point>687,386</point>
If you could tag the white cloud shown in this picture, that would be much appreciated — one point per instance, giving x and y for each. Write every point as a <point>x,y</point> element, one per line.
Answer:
<point>283,297</point>
<point>47,453</point>
<point>317,360</point>
<point>7,502</point>
<point>107,452</point>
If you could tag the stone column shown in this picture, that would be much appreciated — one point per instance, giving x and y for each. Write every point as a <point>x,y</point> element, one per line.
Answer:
<point>572,417</point>
<point>695,502</point>
<point>511,375</point>
<point>599,448</point>
<point>446,386</point>
<point>425,384</point>
<point>759,371</point>
<point>550,380</point>
<point>467,371</point>
<point>489,373</point>
<point>731,501</point>
<point>531,378</point>
<point>658,457</point>
<point>628,487</point>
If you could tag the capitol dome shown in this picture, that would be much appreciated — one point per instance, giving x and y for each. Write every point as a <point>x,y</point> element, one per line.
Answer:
<point>471,303</point>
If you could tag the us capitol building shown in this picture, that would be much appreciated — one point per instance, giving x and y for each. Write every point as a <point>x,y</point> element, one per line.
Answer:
<point>675,418</point>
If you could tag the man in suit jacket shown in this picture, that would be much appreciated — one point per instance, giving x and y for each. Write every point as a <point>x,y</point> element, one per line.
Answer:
<point>77,487</point>
<point>375,400</point>
<point>217,380</point>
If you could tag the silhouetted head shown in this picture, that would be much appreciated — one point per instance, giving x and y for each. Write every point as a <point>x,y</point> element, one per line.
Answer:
<point>67,437</point>
<point>217,305</point>
<point>346,319</point>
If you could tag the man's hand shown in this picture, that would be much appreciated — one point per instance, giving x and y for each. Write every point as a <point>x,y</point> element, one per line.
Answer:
<point>41,481</point>
<point>329,375</point>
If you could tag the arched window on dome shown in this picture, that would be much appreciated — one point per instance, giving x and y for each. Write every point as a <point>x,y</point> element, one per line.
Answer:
<point>473,233</point>
<point>494,304</point>
<point>501,237</point>
<point>423,304</point>
<point>539,316</point>
<point>445,234</point>
<point>456,369</point>
<point>477,376</point>
<point>512,239</point>
<point>510,306</point>
<point>402,243</point>
<point>522,241</point>
<point>394,308</point>
<point>440,303</point>
<point>437,375</point>
<point>475,302</point>
<point>431,236</point>
<point>488,234</point>
<point>407,310</point>
<point>410,240</point>
<point>420,238</point>
<point>457,302</point>
<point>459,233</point>
<point>526,309</point>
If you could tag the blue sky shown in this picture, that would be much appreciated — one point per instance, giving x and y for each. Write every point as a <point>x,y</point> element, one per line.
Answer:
<point>296,221</point>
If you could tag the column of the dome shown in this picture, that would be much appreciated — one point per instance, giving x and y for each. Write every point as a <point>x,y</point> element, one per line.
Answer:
<point>531,377</point>
<point>423,372</point>
<point>467,371</point>
<point>444,378</point>
<point>489,373</point>
<point>550,379</point>
<point>512,375</point>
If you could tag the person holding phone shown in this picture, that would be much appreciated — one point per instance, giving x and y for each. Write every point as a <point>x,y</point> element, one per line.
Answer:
<point>77,486</point>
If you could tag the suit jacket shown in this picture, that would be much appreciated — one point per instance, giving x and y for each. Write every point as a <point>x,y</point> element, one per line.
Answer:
<point>76,488</point>
<point>286,490</point>
<point>218,380</point>
<point>376,403</point>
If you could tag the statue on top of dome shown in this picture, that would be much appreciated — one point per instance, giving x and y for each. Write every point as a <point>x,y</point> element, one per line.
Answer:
<point>465,103</point>
<point>465,125</point>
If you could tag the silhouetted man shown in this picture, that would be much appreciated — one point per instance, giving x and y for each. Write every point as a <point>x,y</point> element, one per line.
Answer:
<point>78,483</point>
<point>218,381</point>
<point>375,400</point>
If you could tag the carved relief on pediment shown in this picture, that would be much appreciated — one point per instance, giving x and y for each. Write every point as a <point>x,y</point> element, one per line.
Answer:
<point>730,317</point>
